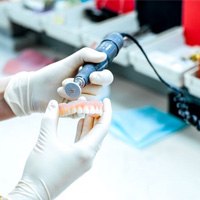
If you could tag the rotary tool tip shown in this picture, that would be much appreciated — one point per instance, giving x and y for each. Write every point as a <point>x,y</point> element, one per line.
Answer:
<point>73,90</point>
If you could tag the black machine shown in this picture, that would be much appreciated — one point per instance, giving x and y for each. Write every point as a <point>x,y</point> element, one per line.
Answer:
<point>159,15</point>
<point>185,106</point>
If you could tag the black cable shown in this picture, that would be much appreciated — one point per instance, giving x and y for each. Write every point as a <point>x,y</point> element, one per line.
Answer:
<point>182,98</point>
<point>145,55</point>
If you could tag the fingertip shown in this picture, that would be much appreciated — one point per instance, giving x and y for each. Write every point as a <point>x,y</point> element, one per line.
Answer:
<point>61,92</point>
<point>107,102</point>
<point>107,110</point>
<point>67,80</point>
<point>49,122</point>
<point>53,104</point>
<point>103,78</point>
<point>82,98</point>
<point>52,108</point>
<point>100,54</point>
<point>103,55</point>
<point>92,55</point>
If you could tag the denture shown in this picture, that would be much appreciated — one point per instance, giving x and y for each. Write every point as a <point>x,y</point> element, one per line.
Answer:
<point>92,107</point>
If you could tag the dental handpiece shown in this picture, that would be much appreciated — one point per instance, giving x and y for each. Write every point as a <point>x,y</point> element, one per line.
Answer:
<point>110,45</point>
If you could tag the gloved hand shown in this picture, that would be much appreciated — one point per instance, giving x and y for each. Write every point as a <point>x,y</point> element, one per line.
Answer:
<point>29,92</point>
<point>52,165</point>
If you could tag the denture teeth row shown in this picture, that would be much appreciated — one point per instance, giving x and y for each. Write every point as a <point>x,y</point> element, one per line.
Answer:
<point>94,108</point>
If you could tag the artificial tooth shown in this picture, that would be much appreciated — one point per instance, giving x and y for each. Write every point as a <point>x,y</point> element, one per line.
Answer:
<point>97,111</point>
<point>86,110</point>
<point>100,112</point>
<point>68,112</point>
<point>73,110</point>
<point>79,110</point>
<point>92,110</point>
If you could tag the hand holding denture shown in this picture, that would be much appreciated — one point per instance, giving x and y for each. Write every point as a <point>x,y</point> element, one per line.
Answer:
<point>29,92</point>
<point>60,164</point>
<point>93,108</point>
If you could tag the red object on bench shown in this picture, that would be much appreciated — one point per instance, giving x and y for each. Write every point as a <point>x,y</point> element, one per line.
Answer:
<point>191,21</point>
<point>28,60</point>
<point>118,6</point>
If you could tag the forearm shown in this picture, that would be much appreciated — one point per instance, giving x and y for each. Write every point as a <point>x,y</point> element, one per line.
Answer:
<point>5,110</point>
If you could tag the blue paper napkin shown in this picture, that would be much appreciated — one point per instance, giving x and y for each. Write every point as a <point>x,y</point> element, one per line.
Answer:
<point>143,126</point>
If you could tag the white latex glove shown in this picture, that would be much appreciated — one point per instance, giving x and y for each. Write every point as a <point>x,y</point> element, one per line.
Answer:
<point>52,165</point>
<point>29,92</point>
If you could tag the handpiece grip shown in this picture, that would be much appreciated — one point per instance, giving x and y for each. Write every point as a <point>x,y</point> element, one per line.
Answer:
<point>87,69</point>
<point>110,46</point>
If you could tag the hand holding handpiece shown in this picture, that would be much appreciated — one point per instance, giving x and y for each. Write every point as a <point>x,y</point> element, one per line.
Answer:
<point>29,92</point>
<point>111,46</point>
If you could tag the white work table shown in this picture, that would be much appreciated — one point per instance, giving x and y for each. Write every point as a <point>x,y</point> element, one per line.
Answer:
<point>169,169</point>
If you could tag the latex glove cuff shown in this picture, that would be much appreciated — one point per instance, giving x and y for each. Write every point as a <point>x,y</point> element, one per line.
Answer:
<point>26,190</point>
<point>17,94</point>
